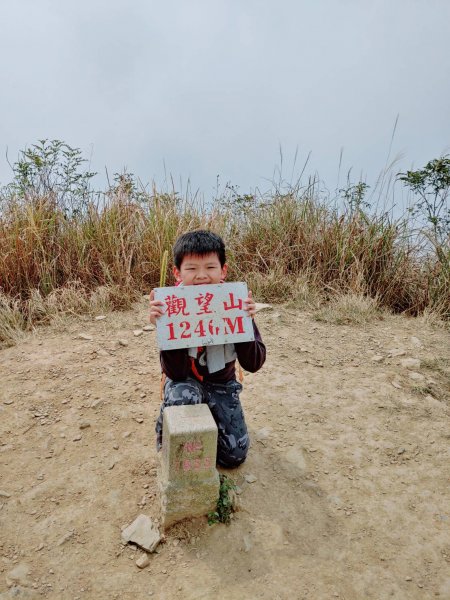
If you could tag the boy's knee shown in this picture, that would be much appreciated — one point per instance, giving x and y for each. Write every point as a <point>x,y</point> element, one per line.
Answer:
<point>234,454</point>
<point>182,392</point>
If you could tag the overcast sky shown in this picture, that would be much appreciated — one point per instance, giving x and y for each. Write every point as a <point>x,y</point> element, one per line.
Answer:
<point>215,87</point>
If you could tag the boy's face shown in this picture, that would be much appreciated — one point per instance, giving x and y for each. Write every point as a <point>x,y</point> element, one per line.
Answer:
<point>200,270</point>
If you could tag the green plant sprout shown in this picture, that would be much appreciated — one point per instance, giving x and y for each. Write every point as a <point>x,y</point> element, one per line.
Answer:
<point>224,507</point>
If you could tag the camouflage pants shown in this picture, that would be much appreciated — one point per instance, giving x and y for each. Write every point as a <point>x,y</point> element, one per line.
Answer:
<point>223,401</point>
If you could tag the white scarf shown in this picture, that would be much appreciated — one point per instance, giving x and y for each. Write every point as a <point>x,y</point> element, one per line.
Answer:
<point>216,356</point>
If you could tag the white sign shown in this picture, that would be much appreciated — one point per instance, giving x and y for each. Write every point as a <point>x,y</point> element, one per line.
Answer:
<point>203,315</point>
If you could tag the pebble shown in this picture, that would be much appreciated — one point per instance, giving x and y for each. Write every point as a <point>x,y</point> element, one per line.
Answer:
<point>4,494</point>
<point>415,341</point>
<point>143,561</point>
<point>137,332</point>
<point>100,318</point>
<point>250,478</point>
<point>139,420</point>
<point>408,578</point>
<point>148,328</point>
<point>85,337</point>
<point>9,401</point>
<point>84,424</point>
<point>116,446</point>
<point>111,465</point>
<point>126,434</point>
<point>123,342</point>
<point>96,403</point>
<point>77,438</point>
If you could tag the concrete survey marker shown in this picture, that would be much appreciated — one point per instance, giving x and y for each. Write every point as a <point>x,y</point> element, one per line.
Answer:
<point>189,481</point>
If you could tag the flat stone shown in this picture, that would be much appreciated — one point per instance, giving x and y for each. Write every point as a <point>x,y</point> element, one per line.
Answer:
<point>410,363</point>
<point>377,358</point>
<point>396,352</point>
<point>100,318</point>
<point>143,532</point>
<point>123,342</point>
<point>138,332</point>
<point>250,478</point>
<point>85,337</point>
<point>8,401</point>
<point>148,328</point>
<point>84,424</point>
<point>4,494</point>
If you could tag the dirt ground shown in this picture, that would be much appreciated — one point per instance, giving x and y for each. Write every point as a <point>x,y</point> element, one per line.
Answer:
<point>350,451</point>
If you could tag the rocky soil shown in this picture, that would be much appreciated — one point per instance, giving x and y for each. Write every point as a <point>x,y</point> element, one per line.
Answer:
<point>345,493</point>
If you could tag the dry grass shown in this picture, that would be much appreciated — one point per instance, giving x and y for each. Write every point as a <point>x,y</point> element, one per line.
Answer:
<point>349,309</point>
<point>289,247</point>
<point>12,321</point>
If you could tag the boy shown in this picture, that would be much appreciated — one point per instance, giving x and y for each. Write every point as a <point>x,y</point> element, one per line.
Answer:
<point>199,259</point>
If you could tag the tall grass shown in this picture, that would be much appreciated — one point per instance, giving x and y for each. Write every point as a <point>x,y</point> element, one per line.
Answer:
<point>281,245</point>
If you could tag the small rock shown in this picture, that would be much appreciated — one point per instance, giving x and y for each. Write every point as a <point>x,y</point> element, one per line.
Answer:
<point>415,341</point>
<point>96,403</point>
<point>139,420</point>
<point>111,466</point>
<point>148,328</point>
<point>143,532</point>
<point>116,446</point>
<point>396,384</point>
<point>377,358</point>
<point>396,352</point>
<point>250,478</point>
<point>123,342</point>
<point>9,401</point>
<point>84,424</point>
<point>137,332</point>
<point>143,561</point>
<point>408,578</point>
<point>126,434</point>
<point>143,395</point>
<point>410,363</point>
<point>100,318</point>
<point>401,451</point>
<point>77,438</point>
<point>85,337</point>
<point>65,538</point>
<point>4,494</point>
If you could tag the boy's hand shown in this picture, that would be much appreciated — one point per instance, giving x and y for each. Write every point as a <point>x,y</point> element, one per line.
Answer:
<point>156,308</point>
<point>249,305</point>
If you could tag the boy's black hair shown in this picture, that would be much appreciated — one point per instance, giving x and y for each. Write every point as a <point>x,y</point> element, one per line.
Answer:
<point>199,243</point>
